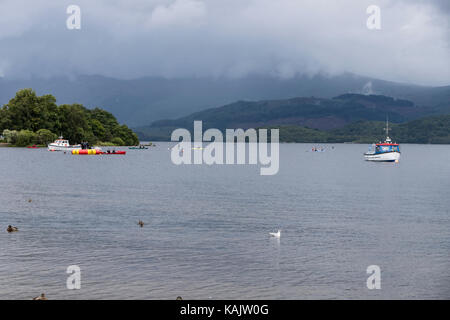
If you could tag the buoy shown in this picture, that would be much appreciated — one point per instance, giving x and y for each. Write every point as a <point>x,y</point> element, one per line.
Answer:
<point>86,151</point>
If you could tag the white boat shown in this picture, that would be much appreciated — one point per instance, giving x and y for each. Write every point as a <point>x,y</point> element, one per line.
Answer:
<point>384,151</point>
<point>62,144</point>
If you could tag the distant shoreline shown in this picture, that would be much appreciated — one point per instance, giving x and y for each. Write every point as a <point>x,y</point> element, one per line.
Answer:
<point>326,143</point>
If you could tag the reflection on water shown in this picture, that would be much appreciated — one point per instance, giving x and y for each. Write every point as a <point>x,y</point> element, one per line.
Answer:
<point>206,232</point>
<point>275,245</point>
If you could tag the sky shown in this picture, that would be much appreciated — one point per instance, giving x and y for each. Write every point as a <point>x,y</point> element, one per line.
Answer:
<point>227,38</point>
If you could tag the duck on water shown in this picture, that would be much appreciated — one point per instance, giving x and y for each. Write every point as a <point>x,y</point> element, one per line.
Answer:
<point>12,229</point>
<point>41,297</point>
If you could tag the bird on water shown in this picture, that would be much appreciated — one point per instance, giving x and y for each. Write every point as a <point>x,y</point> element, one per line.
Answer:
<point>276,234</point>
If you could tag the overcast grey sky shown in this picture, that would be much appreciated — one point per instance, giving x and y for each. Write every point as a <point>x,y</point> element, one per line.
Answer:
<point>232,38</point>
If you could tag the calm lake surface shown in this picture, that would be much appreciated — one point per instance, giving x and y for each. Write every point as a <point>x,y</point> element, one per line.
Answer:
<point>206,232</point>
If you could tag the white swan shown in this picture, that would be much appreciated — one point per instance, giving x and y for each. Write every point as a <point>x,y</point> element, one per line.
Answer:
<point>276,235</point>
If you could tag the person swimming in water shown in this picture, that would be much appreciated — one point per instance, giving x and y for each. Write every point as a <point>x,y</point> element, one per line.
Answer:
<point>141,223</point>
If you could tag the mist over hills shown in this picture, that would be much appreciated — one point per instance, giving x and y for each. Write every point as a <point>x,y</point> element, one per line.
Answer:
<point>139,102</point>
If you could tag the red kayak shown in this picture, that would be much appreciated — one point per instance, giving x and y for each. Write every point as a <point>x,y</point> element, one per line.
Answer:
<point>95,151</point>
<point>32,147</point>
<point>115,152</point>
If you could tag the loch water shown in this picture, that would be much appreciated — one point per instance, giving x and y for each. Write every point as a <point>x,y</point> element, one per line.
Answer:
<point>206,232</point>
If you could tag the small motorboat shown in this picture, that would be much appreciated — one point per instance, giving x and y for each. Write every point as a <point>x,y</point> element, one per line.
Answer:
<point>62,144</point>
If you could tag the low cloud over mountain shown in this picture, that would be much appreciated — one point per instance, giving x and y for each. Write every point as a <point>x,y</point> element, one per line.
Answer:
<point>233,38</point>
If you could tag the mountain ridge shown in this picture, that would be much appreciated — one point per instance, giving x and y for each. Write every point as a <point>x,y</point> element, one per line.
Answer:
<point>139,102</point>
<point>311,112</point>
<point>247,114</point>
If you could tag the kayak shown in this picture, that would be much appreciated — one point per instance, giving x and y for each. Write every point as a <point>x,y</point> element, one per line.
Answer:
<point>117,152</point>
<point>95,152</point>
<point>137,148</point>
<point>33,147</point>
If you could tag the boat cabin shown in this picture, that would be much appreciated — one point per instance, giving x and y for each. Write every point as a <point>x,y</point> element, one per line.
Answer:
<point>62,142</point>
<point>387,147</point>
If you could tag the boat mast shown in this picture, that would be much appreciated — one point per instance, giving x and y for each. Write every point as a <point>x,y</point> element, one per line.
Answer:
<point>387,126</point>
<point>387,129</point>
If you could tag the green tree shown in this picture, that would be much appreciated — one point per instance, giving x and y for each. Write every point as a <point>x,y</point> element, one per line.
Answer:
<point>27,111</point>
<point>126,134</point>
<point>98,130</point>
<point>117,141</point>
<point>73,122</point>
<point>25,137</point>
<point>10,136</point>
<point>45,136</point>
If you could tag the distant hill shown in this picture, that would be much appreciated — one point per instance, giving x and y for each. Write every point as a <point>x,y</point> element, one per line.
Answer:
<point>315,113</point>
<point>434,129</point>
<point>428,130</point>
<point>142,101</point>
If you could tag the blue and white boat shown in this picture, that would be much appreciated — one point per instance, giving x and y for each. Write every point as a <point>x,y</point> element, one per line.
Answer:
<point>386,151</point>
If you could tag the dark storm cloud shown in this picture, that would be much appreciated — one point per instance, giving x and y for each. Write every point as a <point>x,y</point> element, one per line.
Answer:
<point>232,38</point>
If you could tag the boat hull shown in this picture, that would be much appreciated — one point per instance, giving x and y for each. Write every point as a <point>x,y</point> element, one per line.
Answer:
<point>383,157</point>
<point>61,148</point>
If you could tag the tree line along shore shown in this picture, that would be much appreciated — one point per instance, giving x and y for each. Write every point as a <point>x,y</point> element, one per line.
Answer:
<point>29,119</point>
